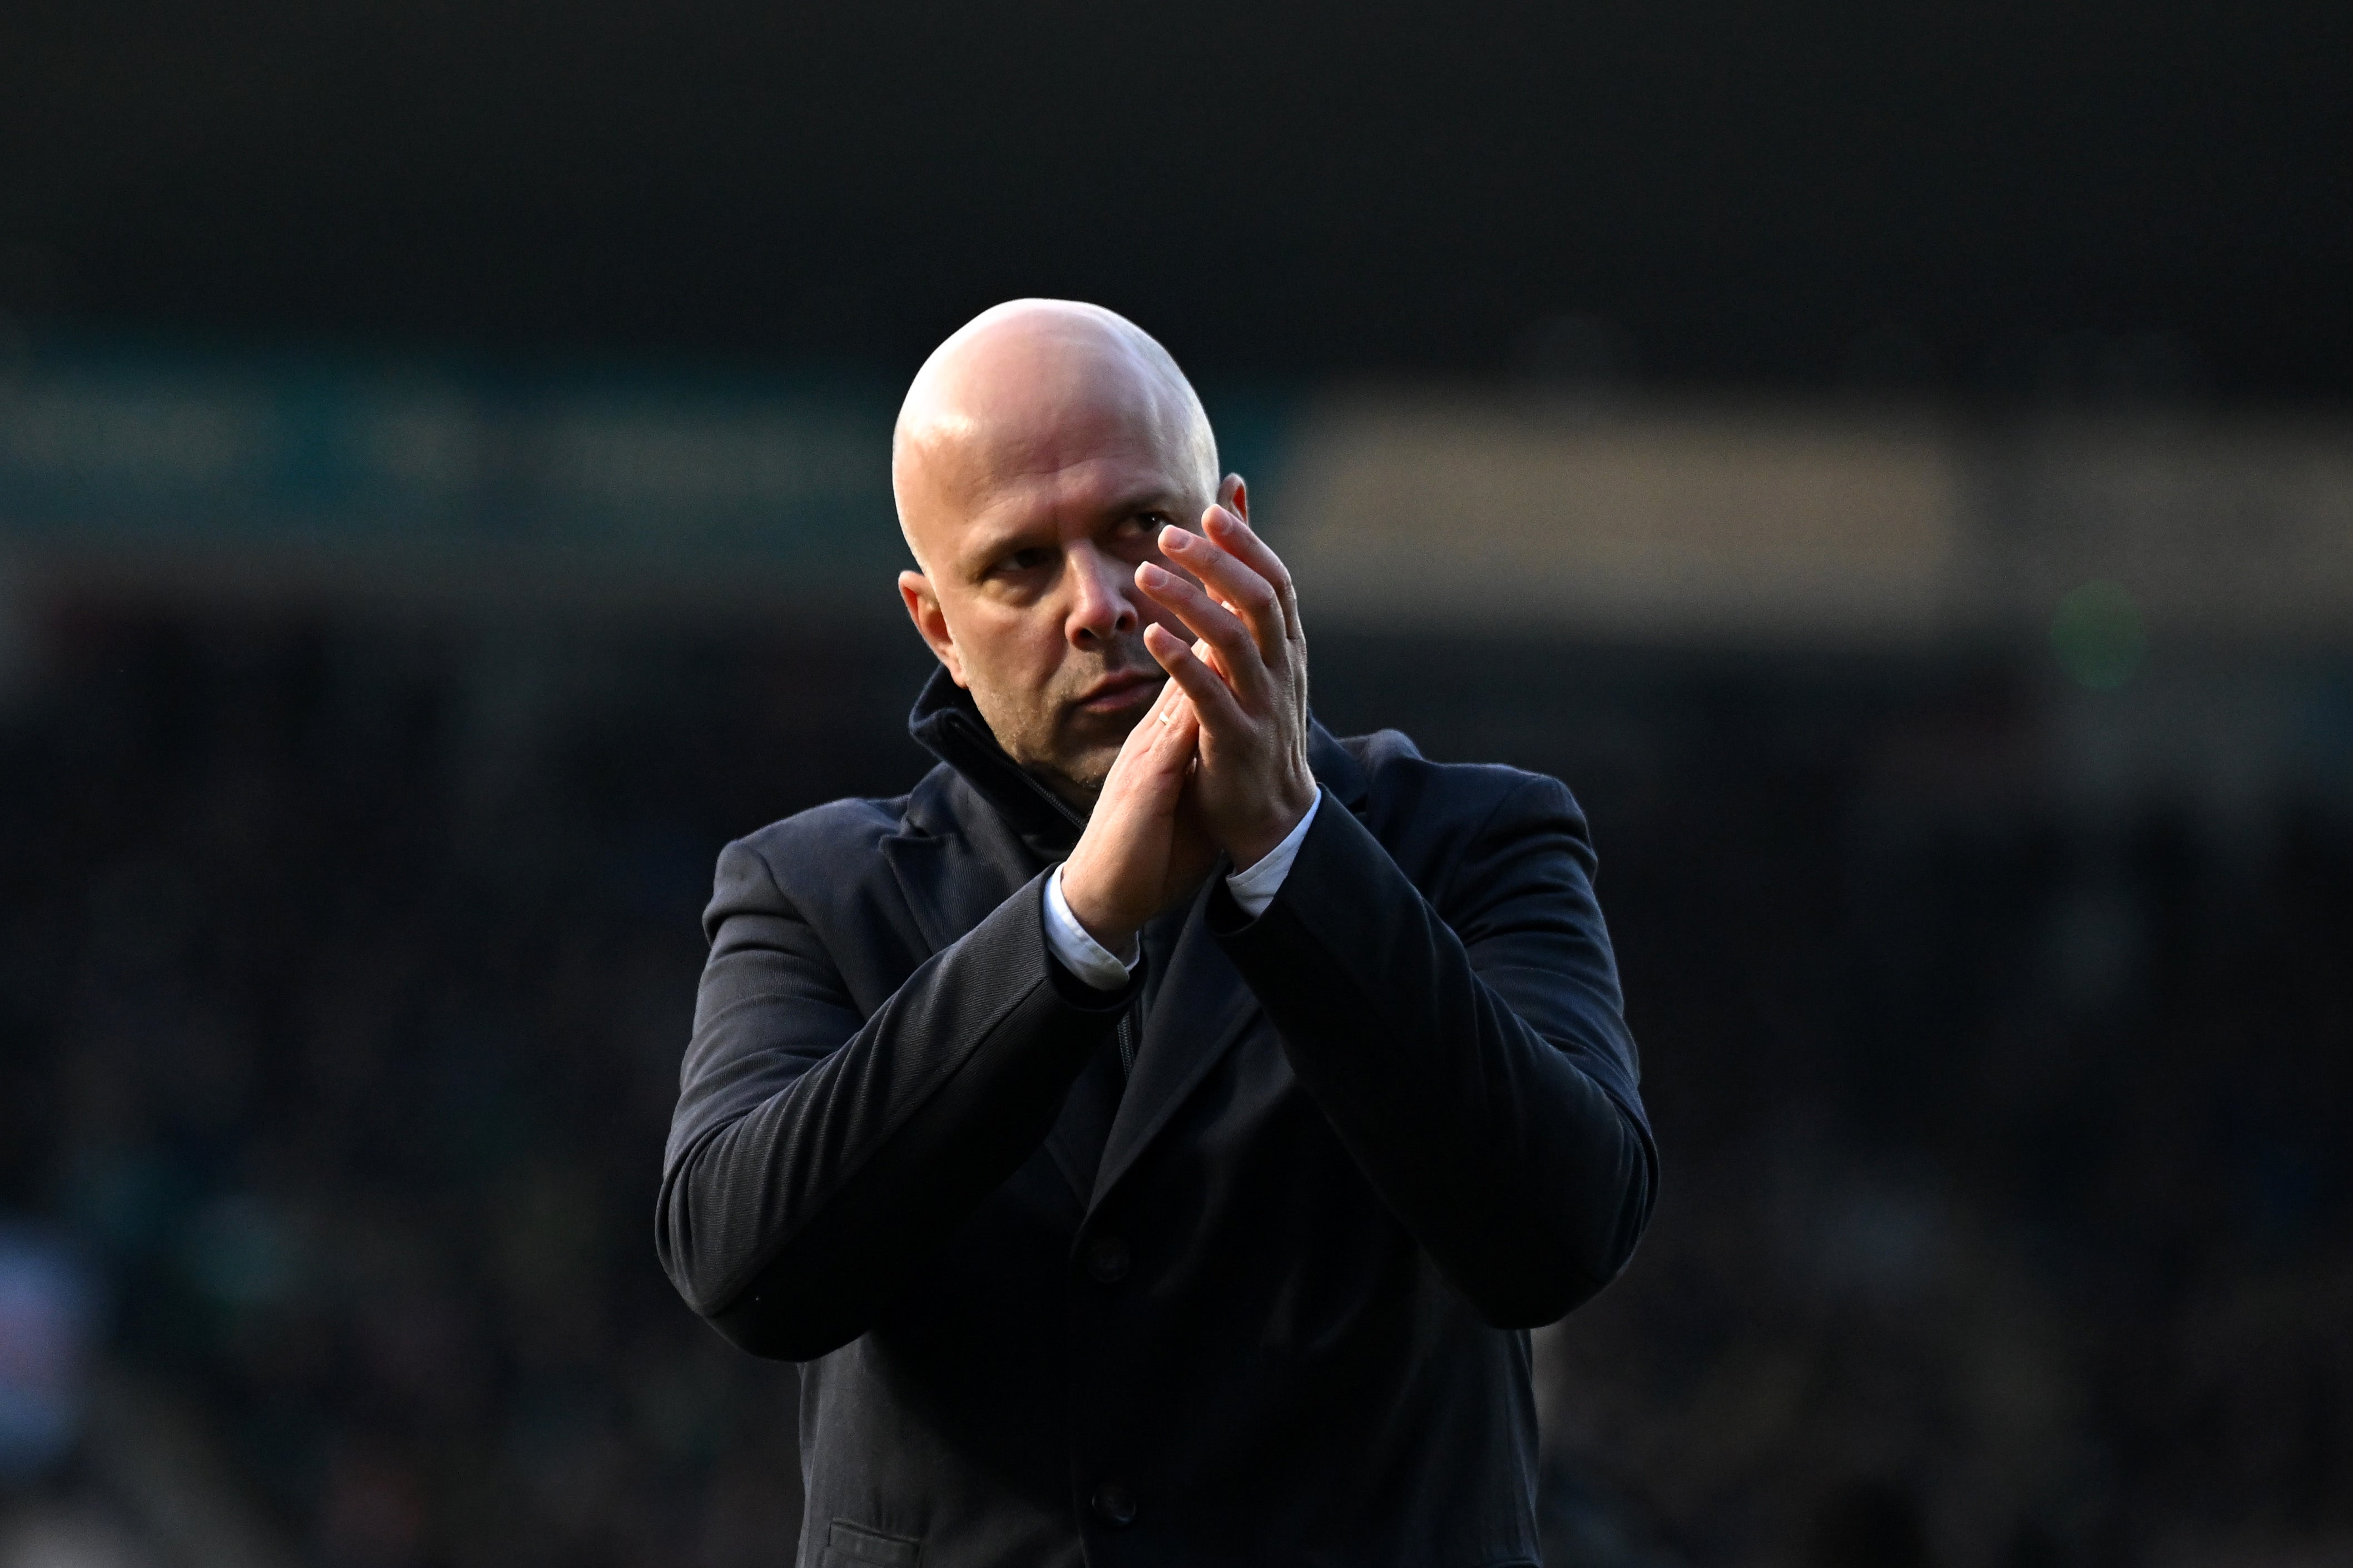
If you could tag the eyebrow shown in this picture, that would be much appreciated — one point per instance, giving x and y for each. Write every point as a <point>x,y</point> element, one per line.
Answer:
<point>1155,499</point>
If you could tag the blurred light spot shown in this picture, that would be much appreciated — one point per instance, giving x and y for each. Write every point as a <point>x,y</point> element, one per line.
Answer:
<point>373,1511</point>
<point>47,1537</point>
<point>1880,1242</point>
<point>128,1201</point>
<point>239,1253</point>
<point>16,643</point>
<point>2095,942</point>
<point>2098,635</point>
<point>16,352</point>
<point>46,1307</point>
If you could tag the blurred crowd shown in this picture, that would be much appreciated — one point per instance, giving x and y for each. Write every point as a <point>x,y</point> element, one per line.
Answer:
<point>343,977</point>
<point>2005,1219</point>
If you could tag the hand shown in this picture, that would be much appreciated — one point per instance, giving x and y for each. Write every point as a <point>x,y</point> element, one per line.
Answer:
<point>1250,693</point>
<point>1145,847</point>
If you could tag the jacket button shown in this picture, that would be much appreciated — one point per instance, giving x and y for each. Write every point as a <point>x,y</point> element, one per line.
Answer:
<point>1114,1505</point>
<point>1107,1259</point>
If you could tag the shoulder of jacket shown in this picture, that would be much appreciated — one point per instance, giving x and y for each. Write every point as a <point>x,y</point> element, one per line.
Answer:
<point>829,840</point>
<point>1437,817</point>
<point>1399,779</point>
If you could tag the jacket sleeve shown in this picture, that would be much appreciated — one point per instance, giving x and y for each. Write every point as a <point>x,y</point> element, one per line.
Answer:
<point>817,1157</point>
<point>1477,1066</point>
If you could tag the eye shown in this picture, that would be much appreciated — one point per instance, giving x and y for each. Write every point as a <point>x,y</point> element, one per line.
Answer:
<point>1027,559</point>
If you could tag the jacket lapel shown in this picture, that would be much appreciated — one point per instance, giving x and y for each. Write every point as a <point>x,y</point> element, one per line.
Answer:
<point>949,882</point>
<point>1076,1139</point>
<point>1336,769</point>
<point>1203,1004</point>
<point>1197,1012</point>
<point>980,828</point>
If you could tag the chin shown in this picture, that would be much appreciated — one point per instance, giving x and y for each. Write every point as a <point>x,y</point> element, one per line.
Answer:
<point>1089,772</point>
<point>1094,739</point>
<point>1085,766</point>
<point>1076,754</point>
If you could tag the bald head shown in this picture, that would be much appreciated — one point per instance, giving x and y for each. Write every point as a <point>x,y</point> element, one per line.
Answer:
<point>1038,455</point>
<point>1030,385</point>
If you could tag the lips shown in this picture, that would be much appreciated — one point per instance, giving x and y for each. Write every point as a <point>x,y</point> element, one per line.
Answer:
<point>1115,693</point>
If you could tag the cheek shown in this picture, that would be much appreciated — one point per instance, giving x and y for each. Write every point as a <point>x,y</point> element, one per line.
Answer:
<point>1013,651</point>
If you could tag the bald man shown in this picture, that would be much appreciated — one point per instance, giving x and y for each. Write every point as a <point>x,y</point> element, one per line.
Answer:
<point>1155,1132</point>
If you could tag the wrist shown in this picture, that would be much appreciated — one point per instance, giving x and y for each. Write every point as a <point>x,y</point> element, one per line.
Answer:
<point>1094,916</point>
<point>1248,848</point>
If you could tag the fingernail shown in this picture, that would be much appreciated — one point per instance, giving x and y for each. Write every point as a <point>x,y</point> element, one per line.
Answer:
<point>1150,573</point>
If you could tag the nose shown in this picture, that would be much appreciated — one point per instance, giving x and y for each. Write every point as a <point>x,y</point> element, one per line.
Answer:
<point>1103,606</point>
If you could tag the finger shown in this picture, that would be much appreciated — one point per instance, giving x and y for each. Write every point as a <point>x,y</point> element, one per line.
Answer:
<point>1163,765</point>
<point>1166,702</point>
<point>1238,538</point>
<point>1234,582</point>
<point>1156,759</point>
<point>1179,730</point>
<point>1140,738</point>
<point>1171,721</point>
<point>1172,726</point>
<point>1140,757</point>
<point>1208,656</point>
<point>1213,702</point>
<point>1237,649</point>
<point>1215,660</point>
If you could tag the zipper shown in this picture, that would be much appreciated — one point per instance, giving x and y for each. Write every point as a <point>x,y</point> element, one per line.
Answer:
<point>1127,1043</point>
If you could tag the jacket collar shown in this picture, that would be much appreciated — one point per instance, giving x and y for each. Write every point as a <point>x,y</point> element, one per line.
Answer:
<point>1336,769</point>
<point>947,724</point>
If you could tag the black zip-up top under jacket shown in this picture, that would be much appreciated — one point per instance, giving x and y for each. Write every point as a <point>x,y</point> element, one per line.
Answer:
<point>1262,1297</point>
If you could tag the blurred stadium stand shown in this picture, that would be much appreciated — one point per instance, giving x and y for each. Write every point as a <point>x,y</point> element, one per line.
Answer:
<point>1975,799</point>
<point>1581,515</point>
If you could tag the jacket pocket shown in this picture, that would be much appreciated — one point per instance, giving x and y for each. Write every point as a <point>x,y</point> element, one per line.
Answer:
<point>849,1545</point>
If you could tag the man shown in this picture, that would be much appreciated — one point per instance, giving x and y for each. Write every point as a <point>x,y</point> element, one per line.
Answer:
<point>1155,1133</point>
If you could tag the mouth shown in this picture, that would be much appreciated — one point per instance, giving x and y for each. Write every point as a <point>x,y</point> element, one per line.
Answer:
<point>1118,693</point>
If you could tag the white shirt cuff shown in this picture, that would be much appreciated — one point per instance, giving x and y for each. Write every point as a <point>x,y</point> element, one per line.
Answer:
<point>1096,964</point>
<point>1080,953</point>
<point>1255,889</point>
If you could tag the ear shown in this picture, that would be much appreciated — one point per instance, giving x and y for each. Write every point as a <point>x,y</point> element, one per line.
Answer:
<point>1234,496</point>
<point>924,609</point>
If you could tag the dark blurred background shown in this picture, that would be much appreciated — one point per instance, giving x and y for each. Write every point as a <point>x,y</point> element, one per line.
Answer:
<point>1895,463</point>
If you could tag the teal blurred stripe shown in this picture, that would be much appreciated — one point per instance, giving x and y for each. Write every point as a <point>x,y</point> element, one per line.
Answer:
<point>113,444</point>
<point>109,444</point>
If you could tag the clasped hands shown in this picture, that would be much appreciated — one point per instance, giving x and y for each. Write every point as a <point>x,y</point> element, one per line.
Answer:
<point>1219,762</point>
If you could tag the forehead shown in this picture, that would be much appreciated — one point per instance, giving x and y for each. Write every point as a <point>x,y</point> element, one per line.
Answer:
<point>1044,456</point>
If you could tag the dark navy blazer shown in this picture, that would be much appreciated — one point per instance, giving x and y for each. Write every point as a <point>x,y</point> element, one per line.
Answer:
<point>1265,1299</point>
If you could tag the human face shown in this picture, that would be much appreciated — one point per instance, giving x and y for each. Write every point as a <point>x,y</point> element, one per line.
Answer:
<point>1031,538</point>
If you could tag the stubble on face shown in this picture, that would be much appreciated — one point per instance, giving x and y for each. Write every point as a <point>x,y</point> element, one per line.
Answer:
<point>1070,746</point>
